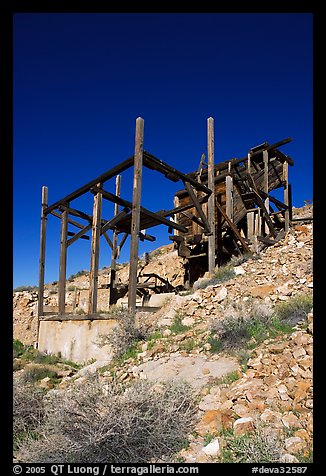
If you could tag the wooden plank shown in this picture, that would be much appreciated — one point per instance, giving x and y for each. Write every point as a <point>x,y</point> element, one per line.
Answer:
<point>109,242</point>
<point>265,186</point>
<point>219,241</point>
<point>278,203</point>
<point>80,234</point>
<point>83,237</point>
<point>122,242</point>
<point>193,218</point>
<point>229,196</point>
<point>233,227</point>
<point>290,201</point>
<point>76,213</point>
<point>273,146</point>
<point>145,236</point>
<point>63,263</point>
<point>157,216</point>
<point>269,222</point>
<point>117,169</point>
<point>115,220</point>
<point>211,200</point>
<point>250,224</point>
<point>286,195</point>
<point>135,218</point>
<point>70,221</point>
<point>152,162</point>
<point>40,305</point>
<point>113,266</point>
<point>95,251</point>
<point>198,207</point>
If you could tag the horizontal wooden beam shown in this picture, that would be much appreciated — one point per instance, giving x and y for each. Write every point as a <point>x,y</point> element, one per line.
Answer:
<point>158,216</point>
<point>80,234</point>
<point>144,236</point>
<point>153,163</point>
<point>70,220</point>
<point>117,169</point>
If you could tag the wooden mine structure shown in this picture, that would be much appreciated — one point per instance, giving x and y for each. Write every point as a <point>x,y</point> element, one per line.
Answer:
<point>222,209</point>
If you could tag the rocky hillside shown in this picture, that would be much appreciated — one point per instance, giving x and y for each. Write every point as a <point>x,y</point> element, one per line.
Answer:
<point>242,341</point>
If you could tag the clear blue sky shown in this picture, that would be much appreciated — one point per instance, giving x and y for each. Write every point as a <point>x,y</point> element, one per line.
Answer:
<point>81,80</point>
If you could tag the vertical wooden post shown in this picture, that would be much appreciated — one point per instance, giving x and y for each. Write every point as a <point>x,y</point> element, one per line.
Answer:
<point>135,218</point>
<point>42,255</point>
<point>95,252</point>
<point>286,194</point>
<point>250,225</point>
<point>219,231</point>
<point>266,189</point>
<point>249,163</point>
<point>113,266</point>
<point>211,199</point>
<point>63,262</point>
<point>229,196</point>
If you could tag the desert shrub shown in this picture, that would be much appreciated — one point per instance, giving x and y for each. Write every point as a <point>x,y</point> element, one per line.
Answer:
<point>295,309</point>
<point>125,336</point>
<point>260,446</point>
<point>25,288</point>
<point>18,348</point>
<point>28,412</point>
<point>239,331</point>
<point>35,373</point>
<point>177,326</point>
<point>83,272</point>
<point>85,424</point>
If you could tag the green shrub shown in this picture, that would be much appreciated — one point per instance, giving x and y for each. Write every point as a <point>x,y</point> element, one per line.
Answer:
<point>83,272</point>
<point>124,338</point>
<point>177,327</point>
<point>295,309</point>
<point>259,446</point>
<point>18,348</point>
<point>138,423</point>
<point>35,373</point>
<point>25,288</point>
<point>28,412</point>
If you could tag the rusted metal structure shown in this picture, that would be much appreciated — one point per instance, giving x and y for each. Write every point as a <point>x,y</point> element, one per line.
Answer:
<point>222,209</point>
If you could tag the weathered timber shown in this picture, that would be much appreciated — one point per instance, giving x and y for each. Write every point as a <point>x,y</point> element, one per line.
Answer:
<point>233,227</point>
<point>115,220</point>
<point>286,195</point>
<point>135,219</point>
<point>113,266</point>
<point>158,217</point>
<point>80,234</point>
<point>63,263</point>
<point>108,240</point>
<point>152,162</point>
<point>95,251</point>
<point>210,226</point>
<point>42,254</point>
<point>198,207</point>
<point>85,188</point>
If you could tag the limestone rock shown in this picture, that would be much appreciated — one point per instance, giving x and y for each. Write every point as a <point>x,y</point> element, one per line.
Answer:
<point>213,448</point>
<point>243,425</point>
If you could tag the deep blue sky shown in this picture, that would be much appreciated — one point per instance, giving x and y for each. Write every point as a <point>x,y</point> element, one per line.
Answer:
<point>81,80</point>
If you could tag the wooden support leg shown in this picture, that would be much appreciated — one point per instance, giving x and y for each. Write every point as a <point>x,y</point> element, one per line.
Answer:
<point>229,196</point>
<point>63,262</point>
<point>135,219</point>
<point>40,307</point>
<point>95,251</point>
<point>113,266</point>
<point>250,225</point>
<point>211,199</point>
<point>286,194</point>
<point>266,185</point>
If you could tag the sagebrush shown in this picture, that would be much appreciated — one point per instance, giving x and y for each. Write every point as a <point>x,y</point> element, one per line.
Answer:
<point>88,424</point>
